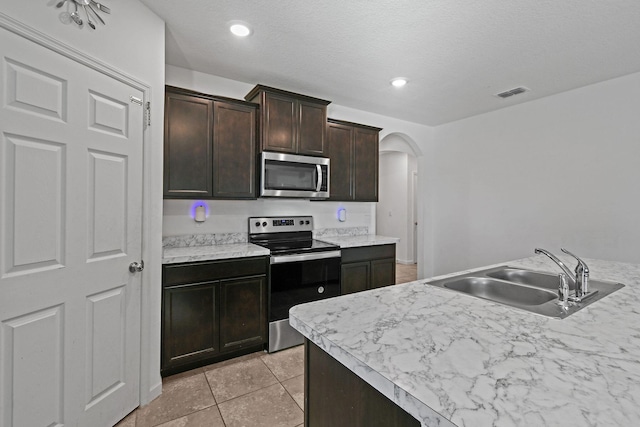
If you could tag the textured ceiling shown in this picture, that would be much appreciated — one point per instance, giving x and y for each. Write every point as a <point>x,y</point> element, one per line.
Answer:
<point>456,54</point>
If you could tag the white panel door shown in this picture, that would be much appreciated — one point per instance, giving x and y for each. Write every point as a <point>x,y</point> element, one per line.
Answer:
<point>70,225</point>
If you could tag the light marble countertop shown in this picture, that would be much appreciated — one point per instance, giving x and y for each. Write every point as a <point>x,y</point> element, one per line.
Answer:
<point>207,247</point>
<point>211,252</point>
<point>452,359</point>
<point>355,241</point>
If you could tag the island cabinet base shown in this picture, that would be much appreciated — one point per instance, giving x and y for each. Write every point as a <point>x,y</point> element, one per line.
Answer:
<point>336,397</point>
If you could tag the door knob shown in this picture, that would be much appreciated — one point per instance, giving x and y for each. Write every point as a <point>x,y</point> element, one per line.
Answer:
<point>136,266</point>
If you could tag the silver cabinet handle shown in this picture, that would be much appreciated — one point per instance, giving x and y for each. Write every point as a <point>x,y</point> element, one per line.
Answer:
<point>136,266</point>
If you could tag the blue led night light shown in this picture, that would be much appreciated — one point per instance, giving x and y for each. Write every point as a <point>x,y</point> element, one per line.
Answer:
<point>192,210</point>
<point>341,214</point>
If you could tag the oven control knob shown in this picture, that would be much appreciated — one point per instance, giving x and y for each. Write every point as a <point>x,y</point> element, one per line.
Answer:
<point>307,222</point>
<point>257,223</point>
<point>264,224</point>
<point>321,289</point>
<point>301,222</point>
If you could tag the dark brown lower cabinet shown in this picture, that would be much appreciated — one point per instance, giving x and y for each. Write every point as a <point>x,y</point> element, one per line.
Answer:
<point>355,277</point>
<point>336,397</point>
<point>383,272</point>
<point>185,306</point>
<point>368,267</point>
<point>212,310</point>
<point>242,312</point>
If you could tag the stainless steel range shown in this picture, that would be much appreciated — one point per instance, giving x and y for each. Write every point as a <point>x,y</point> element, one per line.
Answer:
<point>302,270</point>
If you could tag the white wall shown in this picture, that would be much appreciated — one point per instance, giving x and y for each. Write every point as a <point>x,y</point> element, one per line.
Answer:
<point>133,42</point>
<point>231,216</point>
<point>560,171</point>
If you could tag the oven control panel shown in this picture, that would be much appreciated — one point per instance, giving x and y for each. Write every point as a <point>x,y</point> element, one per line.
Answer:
<point>279,224</point>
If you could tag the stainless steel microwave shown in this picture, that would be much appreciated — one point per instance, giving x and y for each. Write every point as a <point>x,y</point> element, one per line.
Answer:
<point>291,175</point>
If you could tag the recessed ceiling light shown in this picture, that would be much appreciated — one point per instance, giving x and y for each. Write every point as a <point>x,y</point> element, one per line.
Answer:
<point>399,81</point>
<point>240,29</point>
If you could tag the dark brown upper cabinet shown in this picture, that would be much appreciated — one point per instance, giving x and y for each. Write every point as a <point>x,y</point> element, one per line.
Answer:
<point>209,146</point>
<point>290,122</point>
<point>353,150</point>
<point>187,146</point>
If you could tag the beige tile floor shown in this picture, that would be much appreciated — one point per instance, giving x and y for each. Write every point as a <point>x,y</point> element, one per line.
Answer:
<point>256,390</point>
<point>406,273</point>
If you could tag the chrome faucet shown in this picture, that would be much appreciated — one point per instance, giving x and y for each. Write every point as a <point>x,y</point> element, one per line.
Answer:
<point>580,279</point>
<point>582,275</point>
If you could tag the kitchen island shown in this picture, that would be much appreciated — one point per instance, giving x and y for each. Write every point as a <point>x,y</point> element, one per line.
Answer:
<point>451,359</point>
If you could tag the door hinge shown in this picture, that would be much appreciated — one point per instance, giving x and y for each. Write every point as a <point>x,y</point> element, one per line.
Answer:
<point>147,112</point>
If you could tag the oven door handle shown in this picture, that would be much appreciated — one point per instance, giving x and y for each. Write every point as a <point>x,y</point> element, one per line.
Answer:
<point>282,259</point>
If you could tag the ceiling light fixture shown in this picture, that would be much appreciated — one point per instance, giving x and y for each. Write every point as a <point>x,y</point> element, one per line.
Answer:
<point>399,82</point>
<point>239,29</point>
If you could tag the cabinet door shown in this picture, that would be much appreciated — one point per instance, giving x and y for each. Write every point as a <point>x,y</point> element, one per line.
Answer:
<point>187,146</point>
<point>234,158</point>
<point>355,277</point>
<point>340,151</point>
<point>190,331</point>
<point>365,165</point>
<point>312,120</point>
<point>279,125</point>
<point>383,272</point>
<point>243,315</point>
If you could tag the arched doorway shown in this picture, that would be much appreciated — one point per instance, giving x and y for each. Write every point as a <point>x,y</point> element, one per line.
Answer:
<point>397,210</point>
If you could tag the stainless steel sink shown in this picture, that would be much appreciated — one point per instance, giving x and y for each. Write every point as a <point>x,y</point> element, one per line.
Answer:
<point>500,291</point>
<point>526,277</point>
<point>533,291</point>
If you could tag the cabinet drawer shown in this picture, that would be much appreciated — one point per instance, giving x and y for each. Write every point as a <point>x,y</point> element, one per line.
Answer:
<point>196,272</point>
<point>367,253</point>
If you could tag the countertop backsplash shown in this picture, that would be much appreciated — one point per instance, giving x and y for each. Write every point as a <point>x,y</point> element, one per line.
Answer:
<point>345,231</point>
<point>212,239</point>
<point>207,239</point>
<point>229,216</point>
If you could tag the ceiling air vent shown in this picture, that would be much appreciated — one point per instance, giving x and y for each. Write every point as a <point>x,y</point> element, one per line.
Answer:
<point>511,92</point>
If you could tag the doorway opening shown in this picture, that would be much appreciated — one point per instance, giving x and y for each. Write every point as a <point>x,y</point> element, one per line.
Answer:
<point>398,198</point>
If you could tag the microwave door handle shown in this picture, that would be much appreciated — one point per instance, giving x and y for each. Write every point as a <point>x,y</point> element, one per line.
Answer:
<point>319,172</point>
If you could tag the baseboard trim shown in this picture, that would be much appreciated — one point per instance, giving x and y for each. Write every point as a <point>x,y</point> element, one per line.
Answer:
<point>153,392</point>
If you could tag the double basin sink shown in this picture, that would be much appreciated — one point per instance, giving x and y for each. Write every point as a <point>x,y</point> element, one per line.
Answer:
<point>529,290</point>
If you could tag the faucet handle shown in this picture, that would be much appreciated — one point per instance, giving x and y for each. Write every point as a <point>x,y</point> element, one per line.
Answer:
<point>581,264</point>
